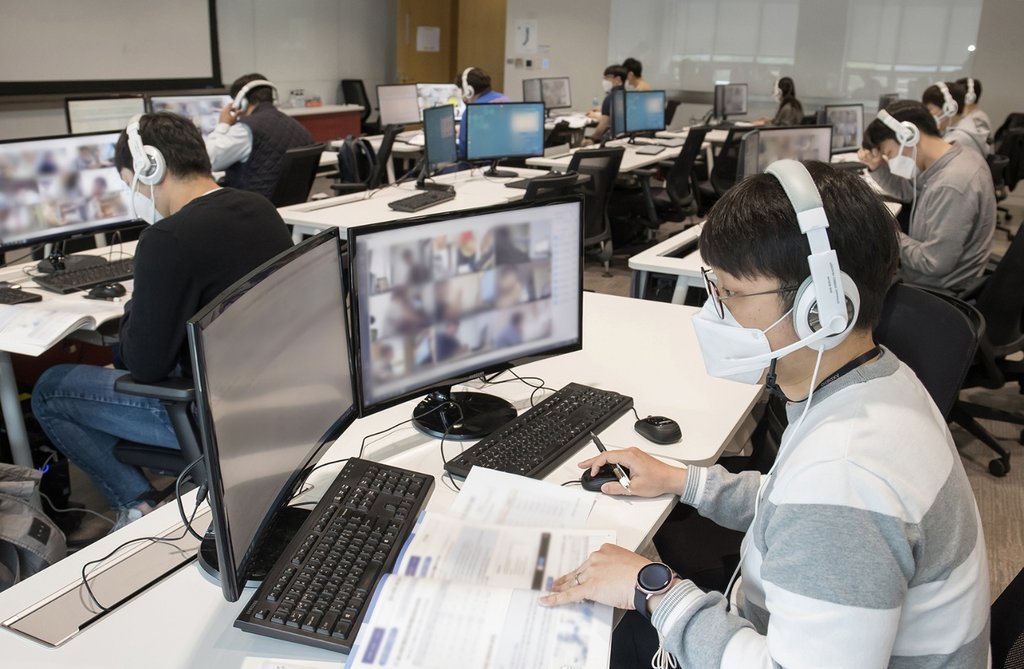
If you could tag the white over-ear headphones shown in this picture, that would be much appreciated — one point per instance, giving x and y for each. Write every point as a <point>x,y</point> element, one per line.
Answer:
<point>776,91</point>
<point>828,302</point>
<point>907,133</point>
<point>949,106</point>
<point>241,103</point>
<point>467,90</point>
<point>970,97</point>
<point>147,161</point>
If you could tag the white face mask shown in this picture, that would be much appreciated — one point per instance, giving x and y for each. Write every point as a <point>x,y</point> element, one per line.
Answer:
<point>731,351</point>
<point>143,207</point>
<point>903,165</point>
<point>777,94</point>
<point>606,86</point>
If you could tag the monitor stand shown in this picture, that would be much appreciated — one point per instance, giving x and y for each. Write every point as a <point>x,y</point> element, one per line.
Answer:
<point>499,174</point>
<point>476,416</point>
<point>282,529</point>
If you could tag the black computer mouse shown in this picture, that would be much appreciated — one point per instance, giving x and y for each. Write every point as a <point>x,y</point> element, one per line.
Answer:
<point>107,291</point>
<point>659,429</point>
<point>604,475</point>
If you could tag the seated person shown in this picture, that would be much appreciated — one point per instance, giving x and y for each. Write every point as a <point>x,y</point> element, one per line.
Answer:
<point>476,89</point>
<point>974,119</point>
<point>208,238</point>
<point>865,536</point>
<point>634,75</point>
<point>250,145</point>
<point>950,187</point>
<point>945,102</point>
<point>614,79</point>
<point>790,111</point>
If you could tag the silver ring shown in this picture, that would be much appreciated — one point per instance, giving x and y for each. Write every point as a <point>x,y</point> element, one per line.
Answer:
<point>577,577</point>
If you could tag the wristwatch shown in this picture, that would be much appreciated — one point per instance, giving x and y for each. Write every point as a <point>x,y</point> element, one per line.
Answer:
<point>652,579</point>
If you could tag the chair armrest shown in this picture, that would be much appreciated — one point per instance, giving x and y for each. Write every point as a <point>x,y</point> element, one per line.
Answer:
<point>169,390</point>
<point>347,188</point>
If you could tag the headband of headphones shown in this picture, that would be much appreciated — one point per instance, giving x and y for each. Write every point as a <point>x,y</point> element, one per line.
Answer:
<point>949,105</point>
<point>907,133</point>
<point>241,102</point>
<point>147,161</point>
<point>467,91</point>
<point>970,97</point>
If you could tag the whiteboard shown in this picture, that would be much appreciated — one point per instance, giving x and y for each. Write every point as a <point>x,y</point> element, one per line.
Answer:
<point>51,46</point>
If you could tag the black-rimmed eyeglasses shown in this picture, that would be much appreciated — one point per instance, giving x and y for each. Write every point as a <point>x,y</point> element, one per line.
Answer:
<point>718,300</point>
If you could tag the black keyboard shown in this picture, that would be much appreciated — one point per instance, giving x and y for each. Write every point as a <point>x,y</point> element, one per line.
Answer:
<point>319,589</point>
<point>422,200</point>
<point>538,440</point>
<point>68,281</point>
<point>16,296</point>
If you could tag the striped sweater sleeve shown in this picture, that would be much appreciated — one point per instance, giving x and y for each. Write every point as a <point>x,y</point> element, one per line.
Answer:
<point>721,496</point>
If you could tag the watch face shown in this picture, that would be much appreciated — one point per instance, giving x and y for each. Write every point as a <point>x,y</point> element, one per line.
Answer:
<point>654,577</point>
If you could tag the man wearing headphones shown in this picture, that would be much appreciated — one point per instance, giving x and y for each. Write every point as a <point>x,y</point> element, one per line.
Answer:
<point>208,238</point>
<point>614,79</point>
<point>864,537</point>
<point>945,101</point>
<point>252,136</point>
<point>950,187</point>
<point>476,89</point>
<point>974,120</point>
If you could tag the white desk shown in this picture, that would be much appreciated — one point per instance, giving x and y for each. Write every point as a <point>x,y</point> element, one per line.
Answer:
<point>100,310</point>
<point>631,160</point>
<point>183,621</point>
<point>472,190</point>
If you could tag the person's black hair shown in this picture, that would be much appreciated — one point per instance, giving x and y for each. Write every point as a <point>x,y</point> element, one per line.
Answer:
<point>176,137</point>
<point>902,110</point>
<point>616,71</point>
<point>788,88</point>
<point>478,79</point>
<point>933,95</point>
<point>977,88</point>
<point>258,94</point>
<point>752,232</point>
<point>635,66</point>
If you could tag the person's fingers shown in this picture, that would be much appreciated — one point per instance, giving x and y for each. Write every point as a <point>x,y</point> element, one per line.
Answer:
<point>569,596</point>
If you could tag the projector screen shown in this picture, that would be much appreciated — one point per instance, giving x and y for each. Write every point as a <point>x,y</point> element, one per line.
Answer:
<point>81,46</point>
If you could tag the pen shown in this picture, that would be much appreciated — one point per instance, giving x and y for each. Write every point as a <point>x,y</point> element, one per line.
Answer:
<point>623,479</point>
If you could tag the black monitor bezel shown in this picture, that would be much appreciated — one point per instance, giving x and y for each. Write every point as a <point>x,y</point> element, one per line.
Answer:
<point>150,97</point>
<point>467,123</point>
<point>233,577</point>
<point>625,104</point>
<point>718,102</point>
<point>415,94</point>
<point>825,109</point>
<point>57,234</point>
<point>355,232</point>
<point>84,98</point>
<point>426,141</point>
<point>614,112</point>
<point>756,132</point>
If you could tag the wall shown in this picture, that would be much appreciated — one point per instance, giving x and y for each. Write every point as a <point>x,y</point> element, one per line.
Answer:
<point>999,60</point>
<point>572,39</point>
<point>479,22</point>
<point>308,44</point>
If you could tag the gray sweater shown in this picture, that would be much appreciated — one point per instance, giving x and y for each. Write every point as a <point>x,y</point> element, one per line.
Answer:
<point>953,220</point>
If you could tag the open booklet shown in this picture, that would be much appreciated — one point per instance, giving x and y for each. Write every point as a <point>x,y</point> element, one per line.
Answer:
<point>31,329</point>
<point>464,592</point>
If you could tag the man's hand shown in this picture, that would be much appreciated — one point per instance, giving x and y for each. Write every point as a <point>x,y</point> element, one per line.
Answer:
<point>648,476</point>
<point>870,157</point>
<point>227,114</point>
<point>608,577</point>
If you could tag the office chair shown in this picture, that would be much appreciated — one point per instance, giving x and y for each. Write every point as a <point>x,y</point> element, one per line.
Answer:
<point>354,92</point>
<point>298,171</point>
<point>676,200</point>
<point>1010,145</point>
<point>560,134</point>
<point>177,395</point>
<point>550,185</point>
<point>997,165</point>
<point>602,166</point>
<point>724,172</point>
<point>1007,626</point>
<point>670,110</point>
<point>809,119</point>
<point>375,167</point>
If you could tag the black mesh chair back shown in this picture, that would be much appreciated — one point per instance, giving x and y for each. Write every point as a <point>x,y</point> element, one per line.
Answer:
<point>558,135</point>
<point>809,119</point>
<point>1011,145</point>
<point>298,170</point>
<point>724,173</point>
<point>679,180</point>
<point>941,359</point>
<point>1001,301</point>
<point>550,185</point>
<point>670,110</point>
<point>353,92</point>
<point>997,164</point>
<point>379,171</point>
<point>602,166</point>
<point>1008,626</point>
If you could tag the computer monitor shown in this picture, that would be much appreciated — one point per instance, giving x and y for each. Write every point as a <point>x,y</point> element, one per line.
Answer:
<point>439,140</point>
<point>58,187</point>
<point>556,92</point>
<point>438,95</point>
<point>442,299</point>
<point>398,104</point>
<point>886,99</point>
<point>532,90</point>
<point>730,100</point>
<point>645,111</point>
<point>847,123</point>
<point>503,130</point>
<point>204,110</point>
<point>618,112</point>
<point>762,147</point>
<point>272,365</point>
<point>109,113</point>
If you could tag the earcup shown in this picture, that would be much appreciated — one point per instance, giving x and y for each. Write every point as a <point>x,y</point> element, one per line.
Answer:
<point>805,313</point>
<point>157,167</point>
